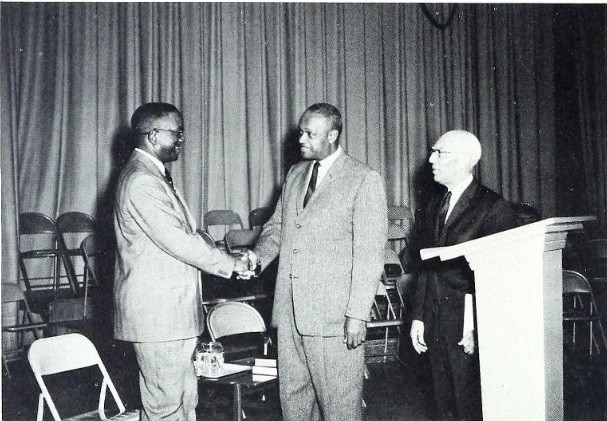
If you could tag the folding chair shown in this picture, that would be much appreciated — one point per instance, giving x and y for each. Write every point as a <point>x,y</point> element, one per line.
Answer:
<point>234,318</point>
<point>384,316</point>
<point>71,352</point>
<point>14,301</point>
<point>400,223</point>
<point>220,222</point>
<point>580,307</point>
<point>40,260</point>
<point>72,228</point>
<point>239,240</point>
<point>234,322</point>
<point>258,217</point>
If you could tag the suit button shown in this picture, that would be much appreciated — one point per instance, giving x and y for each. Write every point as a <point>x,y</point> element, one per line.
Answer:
<point>295,251</point>
<point>298,226</point>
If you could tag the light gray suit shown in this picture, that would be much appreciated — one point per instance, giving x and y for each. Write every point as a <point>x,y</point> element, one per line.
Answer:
<point>331,260</point>
<point>157,291</point>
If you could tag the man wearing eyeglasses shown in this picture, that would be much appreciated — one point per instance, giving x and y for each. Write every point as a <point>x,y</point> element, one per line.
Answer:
<point>157,290</point>
<point>443,320</point>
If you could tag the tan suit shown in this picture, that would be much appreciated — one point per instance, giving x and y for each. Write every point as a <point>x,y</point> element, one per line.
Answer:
<point>157,291</point>
<point>331,259</point>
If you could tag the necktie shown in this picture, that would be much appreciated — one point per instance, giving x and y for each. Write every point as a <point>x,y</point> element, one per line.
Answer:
<point>312,185</point>
<point>442,214</point>
<point>167,175</point>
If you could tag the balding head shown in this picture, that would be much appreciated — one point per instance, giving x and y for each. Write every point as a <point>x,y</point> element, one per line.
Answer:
<point>454,157</point>
<point>464,142</point>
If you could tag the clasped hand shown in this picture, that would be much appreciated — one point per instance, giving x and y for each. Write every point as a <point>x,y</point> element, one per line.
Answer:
<point>246,262</point>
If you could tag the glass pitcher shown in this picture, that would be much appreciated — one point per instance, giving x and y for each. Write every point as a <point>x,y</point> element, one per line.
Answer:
<point>208,359</point>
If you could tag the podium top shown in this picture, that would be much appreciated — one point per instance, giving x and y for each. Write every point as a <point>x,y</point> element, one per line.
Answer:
<point>549,225</point>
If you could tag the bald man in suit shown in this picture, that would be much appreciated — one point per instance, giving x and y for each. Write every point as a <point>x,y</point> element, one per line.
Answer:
<point>330,229</point>
<point>443,303</point>
<point>157,290</point>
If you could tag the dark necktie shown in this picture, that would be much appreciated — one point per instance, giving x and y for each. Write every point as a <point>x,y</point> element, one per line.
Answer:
<point>442,214</point>
<point>312,185</point>
<point>167,175</point>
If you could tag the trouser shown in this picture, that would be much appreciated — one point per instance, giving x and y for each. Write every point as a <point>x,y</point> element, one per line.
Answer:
<point>167,380</point>
<point>319,377</point>
<point>456,378</point>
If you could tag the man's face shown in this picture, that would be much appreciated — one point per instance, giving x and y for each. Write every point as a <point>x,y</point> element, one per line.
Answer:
<point>316,140</point>
<point>167,137</point>
<point>450,164</point>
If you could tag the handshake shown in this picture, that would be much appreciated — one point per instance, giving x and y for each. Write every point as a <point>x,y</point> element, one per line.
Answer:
<point>247,265</point>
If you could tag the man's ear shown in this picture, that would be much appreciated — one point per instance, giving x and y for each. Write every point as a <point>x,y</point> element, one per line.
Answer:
<point>332,136</point>
<point>152,136</point>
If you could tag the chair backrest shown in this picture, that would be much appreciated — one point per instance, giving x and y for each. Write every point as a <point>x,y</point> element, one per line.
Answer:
<point>225,218</point>
<point>526,213</point>
<point>597,257</point>
<point>232,318</point>
<point>239,239</point>
<point>72,228</point>
<point>97,258</point>
<point>36,223</point>
<point>575,283</point>
<point>75,222</point>
<point>258,217</point>
<point>39,253</point>
<point>58,354</point>
<point>400,222</point>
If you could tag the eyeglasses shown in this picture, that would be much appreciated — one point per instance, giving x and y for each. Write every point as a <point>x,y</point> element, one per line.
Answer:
<point>178,133</point>
<point>439,152</point>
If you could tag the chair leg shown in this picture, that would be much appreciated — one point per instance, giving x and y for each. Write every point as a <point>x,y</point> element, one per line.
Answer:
<point>5,364</point>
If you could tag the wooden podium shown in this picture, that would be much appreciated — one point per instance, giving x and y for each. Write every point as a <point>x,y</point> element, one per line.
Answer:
<point>518,277</point>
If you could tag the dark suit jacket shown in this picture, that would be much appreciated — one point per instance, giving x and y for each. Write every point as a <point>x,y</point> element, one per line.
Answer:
<point>441,286</point>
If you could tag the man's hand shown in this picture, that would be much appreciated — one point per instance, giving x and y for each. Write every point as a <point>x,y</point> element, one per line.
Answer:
<point>468,342</point>
<point>355,331</point>
<point>417,336</point>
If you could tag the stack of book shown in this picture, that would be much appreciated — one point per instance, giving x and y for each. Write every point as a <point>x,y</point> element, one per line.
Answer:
<point>264,369</point>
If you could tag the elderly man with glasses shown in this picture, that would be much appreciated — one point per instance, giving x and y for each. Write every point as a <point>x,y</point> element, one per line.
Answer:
<point>443,321</point>
<point>157,290</point>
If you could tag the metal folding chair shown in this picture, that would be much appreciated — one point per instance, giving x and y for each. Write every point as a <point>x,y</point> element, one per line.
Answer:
<point>21,321</point>
<point>218,222</point>
<point>71,352</point>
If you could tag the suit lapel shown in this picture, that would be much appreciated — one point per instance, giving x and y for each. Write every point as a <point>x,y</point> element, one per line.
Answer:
<point>462,205</point>
<point>330,176</point>
<point>173,194</point>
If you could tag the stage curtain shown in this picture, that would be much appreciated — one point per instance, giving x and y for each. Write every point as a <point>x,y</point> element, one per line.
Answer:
<point>242,73</point>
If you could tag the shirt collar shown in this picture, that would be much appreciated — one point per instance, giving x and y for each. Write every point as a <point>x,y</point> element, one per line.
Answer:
<point>326,163</point>
<point>155,160</point>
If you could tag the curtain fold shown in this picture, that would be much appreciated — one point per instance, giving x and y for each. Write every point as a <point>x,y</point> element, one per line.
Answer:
<point>242,74</point>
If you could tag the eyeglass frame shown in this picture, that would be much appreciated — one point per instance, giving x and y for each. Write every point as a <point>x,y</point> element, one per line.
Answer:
<point>439,152</point>
<point>179,133</point>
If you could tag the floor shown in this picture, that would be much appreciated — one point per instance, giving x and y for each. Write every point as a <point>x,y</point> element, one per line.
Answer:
<point>395,390</point>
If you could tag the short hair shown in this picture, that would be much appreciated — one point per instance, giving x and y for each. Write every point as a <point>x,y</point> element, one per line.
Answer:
<point>328,111</point>
<point>146,114</point>
<point>467,143</point>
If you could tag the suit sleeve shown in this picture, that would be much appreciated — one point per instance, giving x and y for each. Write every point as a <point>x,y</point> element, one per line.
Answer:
<point>267,246</point>
<point>151,209</point>
<point>370,233</point>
